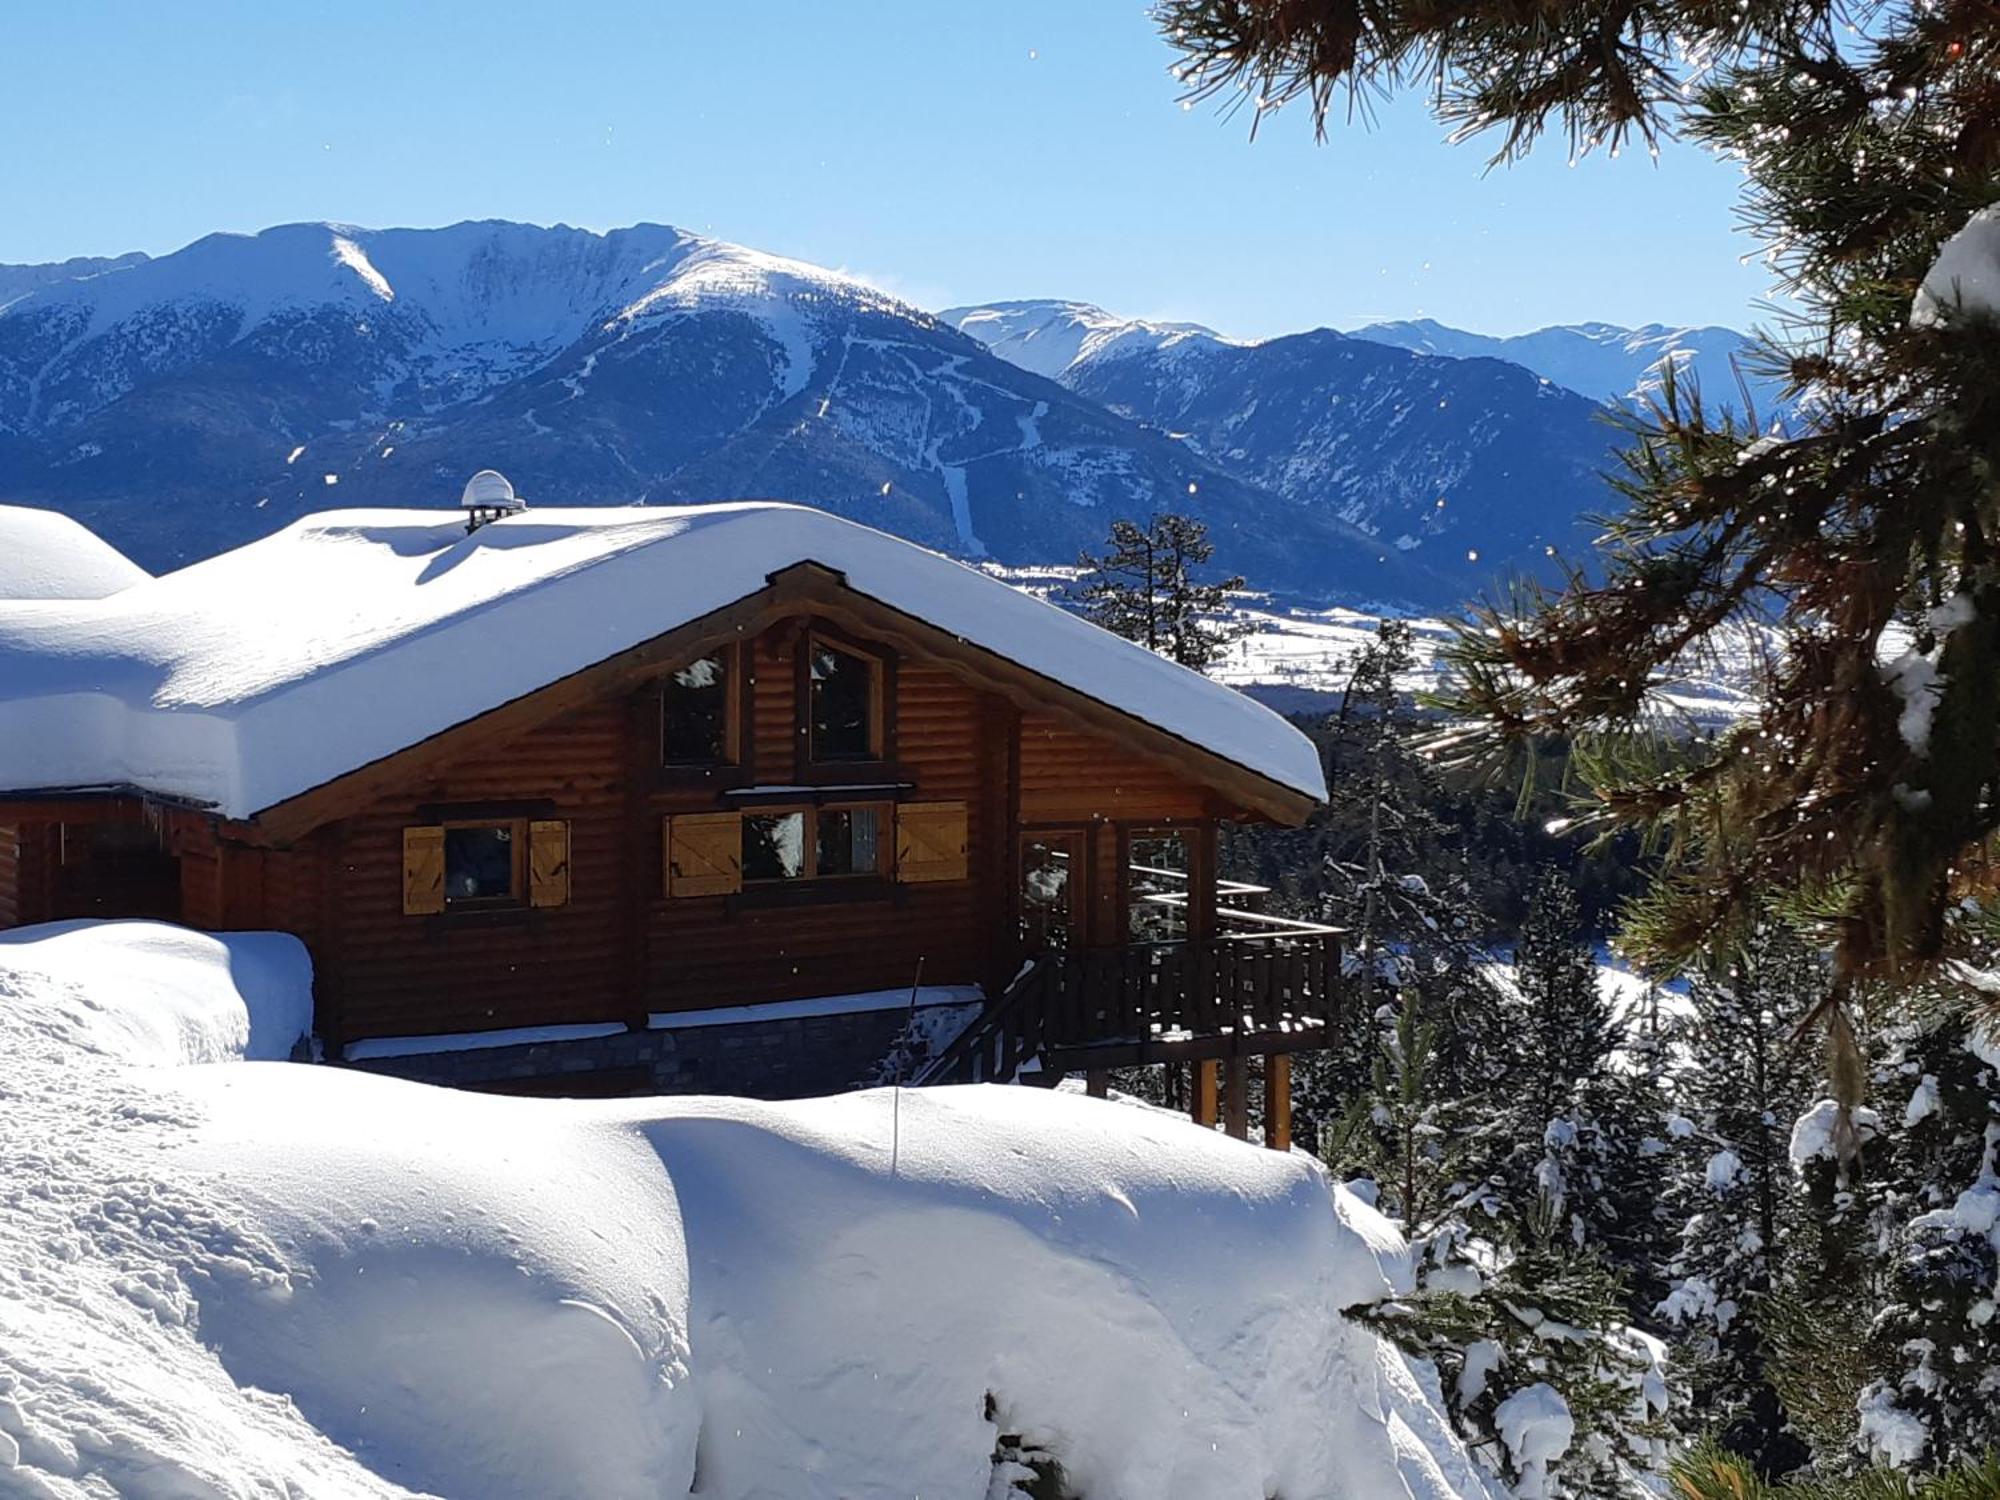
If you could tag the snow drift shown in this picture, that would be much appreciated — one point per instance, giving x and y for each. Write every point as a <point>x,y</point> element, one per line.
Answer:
<point>245,1278</point>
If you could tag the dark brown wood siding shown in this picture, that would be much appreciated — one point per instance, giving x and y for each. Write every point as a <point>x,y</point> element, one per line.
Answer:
<point>10,874</point>
<point>399,974</point>
<point>620,949</point>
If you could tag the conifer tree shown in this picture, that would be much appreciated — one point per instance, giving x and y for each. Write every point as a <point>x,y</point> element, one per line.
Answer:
<point>1935,1228</point>
<point>1865,527</point>
<point>1734,1193</point>
<point>1389,872</point>
<point>1146,588</point>
<point>1576,1130</point>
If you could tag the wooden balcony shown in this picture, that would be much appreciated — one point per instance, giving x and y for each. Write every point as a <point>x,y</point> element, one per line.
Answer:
<point>1261,985</point>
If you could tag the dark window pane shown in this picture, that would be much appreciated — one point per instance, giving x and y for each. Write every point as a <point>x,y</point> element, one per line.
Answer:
<point>849,841</point>
<point>1045,894</point>
<point>478,864</point>
<point>843,708</point>
<point>694,709</point>
<point>774,846</point>
<point>1159,885</point>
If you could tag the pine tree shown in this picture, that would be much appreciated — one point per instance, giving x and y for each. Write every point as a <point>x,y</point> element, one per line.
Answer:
<point>1497,1321</point>
<point>1393,876</point>
<point>1579,1128</point>
<point>1734,1193</point>
<point>1935,1227</point>
<point>1145,588</point>
<point>1403,1133</point>
<point>1865,530</point>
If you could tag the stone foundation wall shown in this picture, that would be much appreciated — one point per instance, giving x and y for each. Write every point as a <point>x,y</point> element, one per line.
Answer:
<point>791,1058</point>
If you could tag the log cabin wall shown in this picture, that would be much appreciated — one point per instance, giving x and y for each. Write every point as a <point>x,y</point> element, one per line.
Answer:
<point>1078,781</point>
<point>620,948</point>
<point>28,855</point>
<point>949,742</point>
<point>10,875</point>
<point>387,973</point>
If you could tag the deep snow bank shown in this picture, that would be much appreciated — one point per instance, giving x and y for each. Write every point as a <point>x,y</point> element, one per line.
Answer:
<point>240,1278</point>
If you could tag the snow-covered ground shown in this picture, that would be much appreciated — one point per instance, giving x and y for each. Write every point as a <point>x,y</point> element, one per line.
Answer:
<point>223,1277</point>
<point>1299,659</point>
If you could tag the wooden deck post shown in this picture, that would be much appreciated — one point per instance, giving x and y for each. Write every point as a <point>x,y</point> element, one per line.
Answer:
<point>1202,1111</point>
<point>1278,1101</point>
<point>1236,1098</point>
<point>1097,1083</point>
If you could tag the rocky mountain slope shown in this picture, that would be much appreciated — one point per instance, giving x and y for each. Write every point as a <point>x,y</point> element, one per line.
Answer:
<point>190,402</point>
<point>18,281</point>
<point>1604,361</point>
<point>1472,467</point>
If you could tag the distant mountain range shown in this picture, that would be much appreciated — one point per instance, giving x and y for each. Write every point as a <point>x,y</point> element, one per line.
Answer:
<point>188,402</point>
<point>1598,360</point>
<point>1472,466</point>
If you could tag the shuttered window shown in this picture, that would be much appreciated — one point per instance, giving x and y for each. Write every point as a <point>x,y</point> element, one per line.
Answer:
<point>484,866</point>
<point>930,841</point>
<point>423,871</point>
<point>703,854</point>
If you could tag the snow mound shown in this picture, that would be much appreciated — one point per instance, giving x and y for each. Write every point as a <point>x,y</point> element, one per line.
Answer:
<point>238,1279</point>
<point>46,555</point>
<point>151,993</point>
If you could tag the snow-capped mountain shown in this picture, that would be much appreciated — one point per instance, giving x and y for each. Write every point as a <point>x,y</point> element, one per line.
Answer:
<point>195,400</point>
<point>1602,360</point>
<point>1599,360</point>
<point>1052,337</point>
<point>18,281</point>
<point>1475,467</point>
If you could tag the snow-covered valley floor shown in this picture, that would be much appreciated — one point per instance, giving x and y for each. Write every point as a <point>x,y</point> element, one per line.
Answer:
<point>223,1274</point>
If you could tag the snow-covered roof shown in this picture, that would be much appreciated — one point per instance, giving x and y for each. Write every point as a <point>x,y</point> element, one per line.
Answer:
<point>46,555</point>
<point>259,674</point>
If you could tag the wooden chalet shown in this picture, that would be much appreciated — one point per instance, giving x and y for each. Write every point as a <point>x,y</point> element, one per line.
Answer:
<point>640,771</point>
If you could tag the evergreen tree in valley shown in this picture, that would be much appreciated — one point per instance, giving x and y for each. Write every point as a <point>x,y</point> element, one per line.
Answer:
<point>1734,1194</point>
<point>1581,1126</point>
<point>1145,588</point>
<point>1391,874</point>
<point>1935,1223</point>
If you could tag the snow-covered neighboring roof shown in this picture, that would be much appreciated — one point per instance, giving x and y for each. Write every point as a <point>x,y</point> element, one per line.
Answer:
<point>259,674</point>
<point>46,555</point>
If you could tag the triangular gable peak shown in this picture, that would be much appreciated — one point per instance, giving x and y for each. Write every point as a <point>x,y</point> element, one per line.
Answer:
<point>805,588</point>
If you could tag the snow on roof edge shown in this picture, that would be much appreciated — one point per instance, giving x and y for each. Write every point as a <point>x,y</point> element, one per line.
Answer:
<point>252,677</point>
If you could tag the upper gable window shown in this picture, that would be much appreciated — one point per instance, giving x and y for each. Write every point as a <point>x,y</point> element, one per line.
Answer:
<point>845,704</point>
<point>695,713</point>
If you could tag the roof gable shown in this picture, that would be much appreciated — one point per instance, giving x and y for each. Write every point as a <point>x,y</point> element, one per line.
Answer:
<point>258,675</point>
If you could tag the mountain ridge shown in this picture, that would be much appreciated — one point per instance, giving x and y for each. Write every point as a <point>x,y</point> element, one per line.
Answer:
<point>192,401</point>
<point>1603,361</point>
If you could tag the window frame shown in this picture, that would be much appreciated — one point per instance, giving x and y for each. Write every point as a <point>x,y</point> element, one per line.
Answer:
<point>881,715</point>
<point>885,845</point>
<point>730,655</point>
<point>517,850</point>
<point>1131,835</point>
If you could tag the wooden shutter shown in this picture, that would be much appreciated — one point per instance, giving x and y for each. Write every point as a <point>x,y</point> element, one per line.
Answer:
<point>548,863</point>
<point>930,841</point>
<point>703,853</point>
<point>423,870</point>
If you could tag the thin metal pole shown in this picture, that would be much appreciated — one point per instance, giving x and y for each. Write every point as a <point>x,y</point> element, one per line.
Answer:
<point>902,1063</point>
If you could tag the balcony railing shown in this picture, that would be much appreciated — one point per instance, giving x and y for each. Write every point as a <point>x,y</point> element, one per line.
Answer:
<point>1267,985</point>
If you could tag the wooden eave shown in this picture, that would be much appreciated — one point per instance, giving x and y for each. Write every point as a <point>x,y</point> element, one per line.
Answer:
<point>803,588</point>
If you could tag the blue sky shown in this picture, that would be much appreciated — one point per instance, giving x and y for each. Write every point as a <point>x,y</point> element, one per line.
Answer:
<point>949,153</point>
